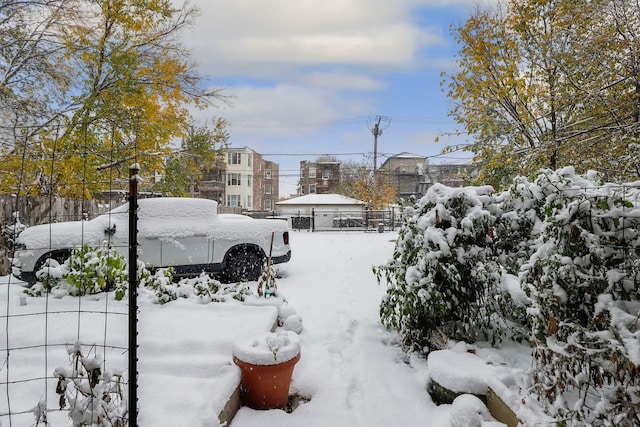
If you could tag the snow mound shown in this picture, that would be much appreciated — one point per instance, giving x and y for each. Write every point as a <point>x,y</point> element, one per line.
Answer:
<point>461,371</point>
<point>469,411</point>
<point>293,323</point>
<point>269,348</point>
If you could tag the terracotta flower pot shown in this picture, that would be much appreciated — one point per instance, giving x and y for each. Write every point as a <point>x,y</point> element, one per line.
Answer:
<point>265,386</point>
<point>266,364</point>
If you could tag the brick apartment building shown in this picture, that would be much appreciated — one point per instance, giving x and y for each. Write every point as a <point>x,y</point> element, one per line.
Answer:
<point>320,177</point>
<point>244,179</point>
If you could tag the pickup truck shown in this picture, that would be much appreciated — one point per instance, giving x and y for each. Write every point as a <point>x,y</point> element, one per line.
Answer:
<point>184,233</point>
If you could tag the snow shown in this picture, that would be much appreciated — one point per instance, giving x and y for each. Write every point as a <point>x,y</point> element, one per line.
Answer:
<point>352,370</point>
<point>269,348</point>
<point>469,411</point>
<point>444,367</point>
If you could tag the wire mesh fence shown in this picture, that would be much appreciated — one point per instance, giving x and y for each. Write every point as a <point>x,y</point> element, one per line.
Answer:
<point>64,352</point>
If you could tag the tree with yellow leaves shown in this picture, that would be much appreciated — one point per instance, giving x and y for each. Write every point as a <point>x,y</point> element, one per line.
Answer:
<point>124,99</point>
<point>356,181</point>
<point>548,84</point>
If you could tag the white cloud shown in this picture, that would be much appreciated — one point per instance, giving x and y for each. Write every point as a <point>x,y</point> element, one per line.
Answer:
<point>286,110</point>
<point>230,36</point>
<point>341,80</point>
<point>295,67</point>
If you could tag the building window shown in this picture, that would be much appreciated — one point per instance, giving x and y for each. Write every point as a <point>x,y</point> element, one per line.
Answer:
<point>267,173</point>
<point>249,160</point>
<point>249,202</point>
<point>326,174</point>
<point>233,200</point>
<point>234,158</point>
<point>312,172</point>
<point>249,180</point>
<point>268,205</point>
<point>312,189</point>
<point>267,189</point>
<point>233,179</point>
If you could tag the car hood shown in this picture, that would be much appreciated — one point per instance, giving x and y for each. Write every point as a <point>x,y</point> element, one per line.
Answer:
<point>63,234</point>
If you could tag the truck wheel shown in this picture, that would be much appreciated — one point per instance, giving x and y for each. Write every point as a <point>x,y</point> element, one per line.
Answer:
<point>243,266</point>
<point>61,256</point>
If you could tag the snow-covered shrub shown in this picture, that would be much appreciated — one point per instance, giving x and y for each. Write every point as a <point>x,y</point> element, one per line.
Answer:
<point>92,397</point>
<point>97,269</point>
<point>559,255</point>
<point>91,270</point>
<point>203,288</point>
<point>88,270</point>
<point>518,225</point>
<point>583,283</point>
<point>49,276</point>
<point>159,281</point>
<point>443,279</point>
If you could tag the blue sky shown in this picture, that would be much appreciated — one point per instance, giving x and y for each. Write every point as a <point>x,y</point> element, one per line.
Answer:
<point>309,77</point>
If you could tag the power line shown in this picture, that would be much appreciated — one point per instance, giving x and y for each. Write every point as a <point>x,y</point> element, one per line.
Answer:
<point>312,154</point>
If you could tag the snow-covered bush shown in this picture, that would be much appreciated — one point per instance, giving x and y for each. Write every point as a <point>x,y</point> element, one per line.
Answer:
<point>203,288</point>
<point>443,279</point>
<point>97,269</point>
<point>583,283</point>
<point>518,225</point>
<point>159,281</point>
<point>49,276</point>
<point>559,256</point>
<point>92,270</point>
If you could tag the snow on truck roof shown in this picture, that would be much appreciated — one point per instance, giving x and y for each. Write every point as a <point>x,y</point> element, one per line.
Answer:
<point>183,207</point>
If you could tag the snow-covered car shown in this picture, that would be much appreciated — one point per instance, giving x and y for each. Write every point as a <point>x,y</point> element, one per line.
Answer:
<point>184,233</point>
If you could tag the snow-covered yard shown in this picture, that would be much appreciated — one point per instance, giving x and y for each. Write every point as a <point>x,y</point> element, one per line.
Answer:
<point>352,369</point>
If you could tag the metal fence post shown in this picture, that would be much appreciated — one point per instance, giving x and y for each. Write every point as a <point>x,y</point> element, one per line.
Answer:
<point>133,293</point>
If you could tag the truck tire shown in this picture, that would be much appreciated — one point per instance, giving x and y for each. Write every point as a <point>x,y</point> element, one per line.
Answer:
<point>60,255</point>
<point>244,265</point>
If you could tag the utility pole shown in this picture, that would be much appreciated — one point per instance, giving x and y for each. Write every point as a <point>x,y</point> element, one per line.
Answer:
<point>381,122</point>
